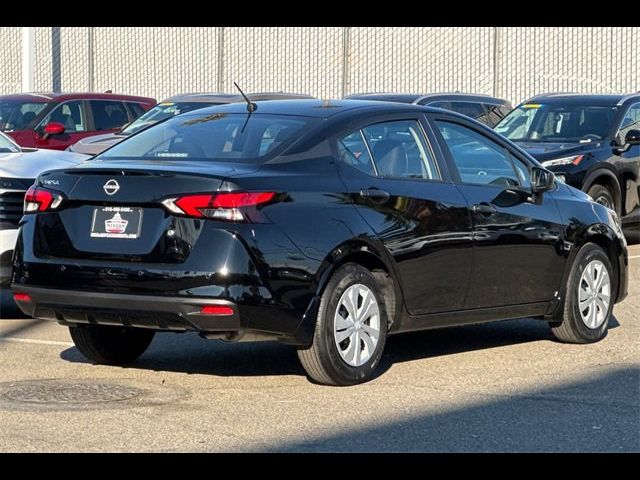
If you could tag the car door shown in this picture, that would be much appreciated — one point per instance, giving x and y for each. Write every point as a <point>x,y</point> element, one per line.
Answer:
<point>404,195</point>
<point>72,115</point>
<point>628,164</point>
<point>517,255</point>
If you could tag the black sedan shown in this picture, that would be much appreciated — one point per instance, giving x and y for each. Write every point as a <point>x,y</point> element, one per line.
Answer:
<point>327,225</point>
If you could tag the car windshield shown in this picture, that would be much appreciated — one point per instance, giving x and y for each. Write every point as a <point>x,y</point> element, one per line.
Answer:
<point>160,112</point>
<point>534,122</point>
<point>18,115</point>
<point>212,136</point>
<point>6,145</point>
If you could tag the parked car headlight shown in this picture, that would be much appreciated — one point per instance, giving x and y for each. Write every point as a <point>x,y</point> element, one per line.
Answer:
<point>573,159</point>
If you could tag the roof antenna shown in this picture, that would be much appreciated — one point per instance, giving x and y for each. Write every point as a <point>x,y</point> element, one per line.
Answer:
<point>251,107</point>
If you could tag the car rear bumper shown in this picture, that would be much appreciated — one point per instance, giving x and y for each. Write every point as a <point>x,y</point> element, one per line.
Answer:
<point>71,307</point>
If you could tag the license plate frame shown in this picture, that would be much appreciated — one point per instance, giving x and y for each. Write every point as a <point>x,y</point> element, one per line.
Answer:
<point>116,222</point>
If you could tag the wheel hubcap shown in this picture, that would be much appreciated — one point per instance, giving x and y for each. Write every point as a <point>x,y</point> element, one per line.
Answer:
<point>602,200</point>
<point>594,294</point>
<point>356,325</point>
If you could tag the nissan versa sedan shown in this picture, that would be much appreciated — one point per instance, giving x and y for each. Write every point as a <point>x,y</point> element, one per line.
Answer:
<point>327,225</point>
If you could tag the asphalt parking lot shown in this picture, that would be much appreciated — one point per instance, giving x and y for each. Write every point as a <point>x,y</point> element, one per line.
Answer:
<point>496,387</point>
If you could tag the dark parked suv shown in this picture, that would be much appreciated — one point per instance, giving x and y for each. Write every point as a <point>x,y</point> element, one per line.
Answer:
<point>485,109</point>
<point>321,224</point>
<point>57,120</point>
<point>591,142</point>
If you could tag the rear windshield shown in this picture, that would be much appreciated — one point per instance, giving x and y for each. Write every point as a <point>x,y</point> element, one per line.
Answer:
<point>17,115</point>
<point>214,136</point>
<point>161,112</point>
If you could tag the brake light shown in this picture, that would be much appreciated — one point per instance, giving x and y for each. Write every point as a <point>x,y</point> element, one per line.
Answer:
<point>216,310</point>
<point>38,199</point>
<point>22,297</point>
<point>220,206</point>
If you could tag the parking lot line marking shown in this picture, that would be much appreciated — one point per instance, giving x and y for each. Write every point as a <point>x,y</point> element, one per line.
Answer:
<point>35,341</point>
<point>634,256</point>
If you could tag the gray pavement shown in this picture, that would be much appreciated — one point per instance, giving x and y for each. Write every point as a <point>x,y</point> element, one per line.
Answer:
<point>497,387</point>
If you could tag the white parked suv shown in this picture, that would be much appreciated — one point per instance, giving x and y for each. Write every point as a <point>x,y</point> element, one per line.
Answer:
<point>18,169</point>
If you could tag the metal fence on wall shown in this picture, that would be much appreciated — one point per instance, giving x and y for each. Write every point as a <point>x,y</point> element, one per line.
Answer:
<point>512,63</point>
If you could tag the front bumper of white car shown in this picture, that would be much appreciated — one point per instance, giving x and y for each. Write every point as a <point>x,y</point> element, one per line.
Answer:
<point>7,244</point>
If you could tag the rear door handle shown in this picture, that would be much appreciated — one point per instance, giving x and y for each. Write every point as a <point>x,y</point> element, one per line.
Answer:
<point>484,208</point>
<point>375,194</point>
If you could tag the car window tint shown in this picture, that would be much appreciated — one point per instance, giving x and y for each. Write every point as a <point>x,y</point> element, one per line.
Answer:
<point>70,114</point>
<point>470,109</point>
<point>136,109</point>
<point>479,160</point>
<point>108,114</point>
<point>15,115</point>
<point>353,151</point>
<point>400,151</point>
<point>495,113</point>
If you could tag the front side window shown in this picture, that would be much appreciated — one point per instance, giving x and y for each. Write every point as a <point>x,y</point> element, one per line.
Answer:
<point>478,159</point>
<point>16,115</point>
<point>631,121</point>
<point>557,123</point>
<point>108,114</point>
<point>400,151</point>
<point>213,136</point>
<point>495,113</point>
<point>70,114</point>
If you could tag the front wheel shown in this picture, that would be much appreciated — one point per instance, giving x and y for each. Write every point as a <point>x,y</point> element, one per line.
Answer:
<point>107,345</point>
<point>589,298</point>
<point>603,196</point>
<point>351,329</point>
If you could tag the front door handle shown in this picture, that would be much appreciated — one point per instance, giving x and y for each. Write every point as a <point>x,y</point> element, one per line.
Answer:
<point>484,208</point>
<point>375,194</point>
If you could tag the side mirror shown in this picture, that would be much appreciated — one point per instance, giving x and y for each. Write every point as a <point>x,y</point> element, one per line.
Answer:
<point>632,137</point>
<point>541,180</point>
<point>53,128</point>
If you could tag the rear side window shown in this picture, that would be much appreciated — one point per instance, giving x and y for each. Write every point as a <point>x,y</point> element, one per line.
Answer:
<point>108,114</point>
<point>478,159</point>
<point>470,109</point>
<point>400,151</point>
<point>136,109</point>
<point>495,113</point>
<point>213,136</point>
<point>353,151</point>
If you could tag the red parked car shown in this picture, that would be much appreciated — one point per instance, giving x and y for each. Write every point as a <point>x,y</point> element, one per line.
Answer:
<point>57,120</point>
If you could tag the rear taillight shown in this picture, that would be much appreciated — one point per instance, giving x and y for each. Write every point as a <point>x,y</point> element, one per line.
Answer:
<point>38,199</point>
<point>220,206</point>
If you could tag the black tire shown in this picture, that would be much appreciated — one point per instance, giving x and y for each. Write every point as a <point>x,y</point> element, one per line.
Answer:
<point>572,329</point>
<point>321,360</point>
<point>107,345</point>
<point>603,196</point>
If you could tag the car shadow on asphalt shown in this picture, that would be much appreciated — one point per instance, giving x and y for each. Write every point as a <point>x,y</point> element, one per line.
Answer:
<point>188,353</point>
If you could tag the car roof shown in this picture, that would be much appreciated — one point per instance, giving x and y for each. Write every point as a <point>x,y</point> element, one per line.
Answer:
<point>421,98</point>
<point>60,96</point>
<point>591,98</point>
<point>312,107</point>
<point>215,97</point>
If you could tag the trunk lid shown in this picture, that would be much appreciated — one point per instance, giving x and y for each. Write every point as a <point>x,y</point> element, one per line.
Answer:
<point>115,213</point>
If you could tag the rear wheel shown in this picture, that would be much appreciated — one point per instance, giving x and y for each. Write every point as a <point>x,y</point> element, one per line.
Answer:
<point>603,196</point>
<point>351,329</point>
<point>109,345</point>
<point>588,299</point>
